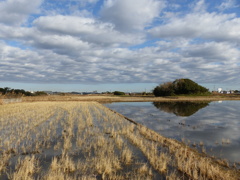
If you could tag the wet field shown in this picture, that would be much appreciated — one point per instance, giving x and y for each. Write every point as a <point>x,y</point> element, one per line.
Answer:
<point>212,127</point>
<point>86,140</point>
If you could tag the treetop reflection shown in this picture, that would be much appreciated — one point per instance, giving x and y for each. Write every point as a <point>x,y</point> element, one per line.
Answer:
<point>180,108</point>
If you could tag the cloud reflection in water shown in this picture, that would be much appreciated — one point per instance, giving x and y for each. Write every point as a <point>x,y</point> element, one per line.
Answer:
<point>215,124</point>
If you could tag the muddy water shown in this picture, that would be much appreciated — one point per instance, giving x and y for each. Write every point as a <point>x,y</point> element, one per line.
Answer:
<point>212,127</point>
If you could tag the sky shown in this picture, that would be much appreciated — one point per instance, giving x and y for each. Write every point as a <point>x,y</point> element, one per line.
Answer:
<point>127,45</point>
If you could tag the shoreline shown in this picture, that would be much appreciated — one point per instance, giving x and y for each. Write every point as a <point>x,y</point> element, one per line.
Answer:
<point>102,98</point>
<point>219,168</point>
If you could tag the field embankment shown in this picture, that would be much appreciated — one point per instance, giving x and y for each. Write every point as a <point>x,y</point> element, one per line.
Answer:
<point>86,140</point>
<point>109,98</point>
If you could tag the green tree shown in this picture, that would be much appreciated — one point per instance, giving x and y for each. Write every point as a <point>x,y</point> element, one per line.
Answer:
<point>187,86</point>
<point>179,86</point>
<point>5,90</point>
<point>165,89</point>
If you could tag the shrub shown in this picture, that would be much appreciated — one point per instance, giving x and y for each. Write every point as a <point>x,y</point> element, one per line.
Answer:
<point>118,93</point>
<point>40,93</point>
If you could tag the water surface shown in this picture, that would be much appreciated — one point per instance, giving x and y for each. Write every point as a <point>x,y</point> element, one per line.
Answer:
<point>215,125</point>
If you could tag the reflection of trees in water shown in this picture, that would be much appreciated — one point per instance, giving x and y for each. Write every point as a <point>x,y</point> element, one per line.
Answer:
<point>180,108</point>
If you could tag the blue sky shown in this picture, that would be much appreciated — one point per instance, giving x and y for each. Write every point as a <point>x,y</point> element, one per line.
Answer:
<point>128,45</point>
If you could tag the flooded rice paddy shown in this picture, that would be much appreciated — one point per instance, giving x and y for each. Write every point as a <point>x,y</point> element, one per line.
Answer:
<point>71,140</point>
<point>211,127</point>
<point>86,140</point>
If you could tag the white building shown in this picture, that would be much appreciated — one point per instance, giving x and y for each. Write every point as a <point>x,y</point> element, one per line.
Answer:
<point>219,90</point>
<point>226,92</point>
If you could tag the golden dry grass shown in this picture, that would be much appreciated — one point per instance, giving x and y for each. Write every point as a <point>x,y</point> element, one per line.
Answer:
<point>25,168</point>
<point>189,161</point>
<point>85,140</point>
<point>111,98</point>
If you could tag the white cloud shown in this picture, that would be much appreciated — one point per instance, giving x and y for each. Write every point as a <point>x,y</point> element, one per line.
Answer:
<point>73,25</point>
<point>80,2</point>
<point>19,65</point>
<point>81,64</point>
<point>87,29</point>
<point>212,26</point>
<point>227,4</point>
<point>130,15</point>
<point>213,52</point>
<point>115,47</point>
<point>66,45</point>
<point>200,6</point>
<point>15,12</point>
<point>14,33</point>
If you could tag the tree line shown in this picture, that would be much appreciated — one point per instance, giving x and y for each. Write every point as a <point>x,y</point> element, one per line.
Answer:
<point>20,92</point>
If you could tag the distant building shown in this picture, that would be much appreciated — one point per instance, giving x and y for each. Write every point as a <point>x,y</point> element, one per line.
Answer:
<point>95,92</point>
<point>48,92</point>
<point>226,92</point>
<point>219,90</point>
<point>89,93</point>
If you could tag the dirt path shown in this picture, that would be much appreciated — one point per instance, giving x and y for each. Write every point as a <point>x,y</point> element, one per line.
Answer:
<point>102,98</point>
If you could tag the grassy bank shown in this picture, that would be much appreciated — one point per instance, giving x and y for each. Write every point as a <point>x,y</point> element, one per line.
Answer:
<point>86,140</point>
<point>108,98</point>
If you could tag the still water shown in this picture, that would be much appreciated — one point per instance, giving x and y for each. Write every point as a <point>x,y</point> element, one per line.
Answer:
<point>213,127</point>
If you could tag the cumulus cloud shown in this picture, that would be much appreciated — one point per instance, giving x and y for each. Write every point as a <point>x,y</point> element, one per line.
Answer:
<point>87,29</point>
<point>119,46</point>
<point>17,64</point>
<point>213,52</point>
<point>81,3</point>
<point>15,12</point>
<point>114,65</point>
<point>131,14</point>
<point>212,26</point>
